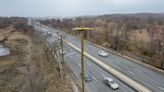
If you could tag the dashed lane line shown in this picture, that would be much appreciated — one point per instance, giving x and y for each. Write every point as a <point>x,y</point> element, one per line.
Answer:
<point>161,88</point>
<point>94,78</point>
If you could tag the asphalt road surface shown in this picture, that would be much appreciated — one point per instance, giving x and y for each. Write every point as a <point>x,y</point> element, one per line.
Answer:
<point>72,58</point>
<point>149,78</point>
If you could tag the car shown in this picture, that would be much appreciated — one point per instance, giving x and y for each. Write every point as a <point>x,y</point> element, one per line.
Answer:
<point>87,77</point>
<point>103,53</point>
<point>110,82</point>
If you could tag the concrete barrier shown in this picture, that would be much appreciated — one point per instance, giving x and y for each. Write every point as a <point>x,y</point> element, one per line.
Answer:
<point>135,85</point>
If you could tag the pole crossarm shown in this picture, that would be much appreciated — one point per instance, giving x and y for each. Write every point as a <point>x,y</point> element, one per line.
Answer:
<point>82,29</point>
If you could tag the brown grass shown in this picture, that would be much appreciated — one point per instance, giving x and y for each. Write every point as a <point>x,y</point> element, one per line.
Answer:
<point>26,69</point>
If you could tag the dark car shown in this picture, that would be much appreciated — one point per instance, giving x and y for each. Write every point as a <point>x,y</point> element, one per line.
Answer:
<point>87,77</point>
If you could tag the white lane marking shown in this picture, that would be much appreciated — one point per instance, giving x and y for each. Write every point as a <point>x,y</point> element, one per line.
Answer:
<point>79,65</point>
<point>88,63</point>
<point>94,78</point>
<point>103,75</point>
<point>130,72</point>
<point>161,88</point>
<point>139,71</point>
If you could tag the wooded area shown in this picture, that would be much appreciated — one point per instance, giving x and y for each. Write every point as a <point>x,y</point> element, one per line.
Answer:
<point>19,23</point>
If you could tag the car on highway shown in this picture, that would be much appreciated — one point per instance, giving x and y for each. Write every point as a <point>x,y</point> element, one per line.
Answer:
<point>110,82</point>
<point>87,77</point>
<point>103,53</point>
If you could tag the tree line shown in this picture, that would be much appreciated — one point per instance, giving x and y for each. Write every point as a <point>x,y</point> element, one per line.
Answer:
<point>19,23</point>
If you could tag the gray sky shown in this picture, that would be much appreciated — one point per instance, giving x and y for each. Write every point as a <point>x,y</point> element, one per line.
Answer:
<point>66,8</point>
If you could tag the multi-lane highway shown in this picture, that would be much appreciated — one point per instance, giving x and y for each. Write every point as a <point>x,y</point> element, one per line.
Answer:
<point>152,79</point>
<point>147,77</point>
<point>72,58</point>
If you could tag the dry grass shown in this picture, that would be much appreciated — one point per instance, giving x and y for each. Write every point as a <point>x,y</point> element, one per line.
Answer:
<point>142,35</point>
<point>26,69</point>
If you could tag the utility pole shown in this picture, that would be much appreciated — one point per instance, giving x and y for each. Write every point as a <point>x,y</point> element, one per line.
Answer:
<point>82,30</point>
<point>62,52</point>
<point>82,59</point>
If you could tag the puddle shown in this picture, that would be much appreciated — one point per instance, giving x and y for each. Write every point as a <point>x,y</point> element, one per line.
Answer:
<point>4,51</point>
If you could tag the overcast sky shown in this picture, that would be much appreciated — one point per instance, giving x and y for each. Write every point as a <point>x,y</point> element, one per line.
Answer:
<point>66,8</point>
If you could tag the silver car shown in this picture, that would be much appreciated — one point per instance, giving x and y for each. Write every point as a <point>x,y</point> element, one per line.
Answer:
<point>103,53</point>
<point>110,82</point>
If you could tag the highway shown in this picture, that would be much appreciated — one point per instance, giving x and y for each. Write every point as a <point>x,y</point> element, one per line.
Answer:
<point>72,58</point>
<point>150,78</point>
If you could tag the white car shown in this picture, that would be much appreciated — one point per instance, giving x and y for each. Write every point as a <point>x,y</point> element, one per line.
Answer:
<point>110,82</point>
<point>103,53</point>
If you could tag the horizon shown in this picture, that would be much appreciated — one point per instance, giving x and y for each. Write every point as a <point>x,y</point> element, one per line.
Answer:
<point>87,15</point>
<point>72,8</point>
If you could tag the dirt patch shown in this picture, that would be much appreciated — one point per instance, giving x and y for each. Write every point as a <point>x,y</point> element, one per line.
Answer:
<point>26,69</point>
